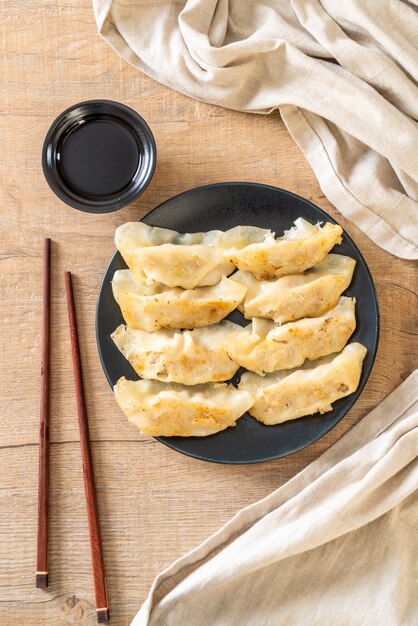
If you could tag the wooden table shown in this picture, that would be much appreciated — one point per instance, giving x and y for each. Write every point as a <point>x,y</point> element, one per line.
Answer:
<point>154,503</point>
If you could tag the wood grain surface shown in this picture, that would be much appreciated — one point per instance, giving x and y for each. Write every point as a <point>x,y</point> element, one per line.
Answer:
<point>154,503</point>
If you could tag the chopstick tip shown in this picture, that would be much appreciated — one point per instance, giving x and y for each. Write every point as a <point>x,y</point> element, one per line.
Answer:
<point>42,580</point>
<point>102,616</point>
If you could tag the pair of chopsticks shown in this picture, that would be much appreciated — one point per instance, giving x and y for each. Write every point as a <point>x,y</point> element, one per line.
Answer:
<point>88,471</point>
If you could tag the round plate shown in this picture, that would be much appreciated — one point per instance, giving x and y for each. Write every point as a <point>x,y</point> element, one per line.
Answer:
<point>223,206</point>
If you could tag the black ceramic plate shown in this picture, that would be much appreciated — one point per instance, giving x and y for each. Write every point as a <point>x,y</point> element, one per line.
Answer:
<point>221,207</point>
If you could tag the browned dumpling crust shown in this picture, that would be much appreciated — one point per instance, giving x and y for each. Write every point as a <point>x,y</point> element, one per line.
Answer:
<point>153,306</point>
<point>171,410</point>
<point>289,394</point>
<point>302,295</point>
<point>189,357</point>
<point>264,346</point>
<point>301,247</point>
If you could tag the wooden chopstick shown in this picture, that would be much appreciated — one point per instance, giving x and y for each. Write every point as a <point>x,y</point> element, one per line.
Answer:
<point>43,478</point>
<point>89,482</point>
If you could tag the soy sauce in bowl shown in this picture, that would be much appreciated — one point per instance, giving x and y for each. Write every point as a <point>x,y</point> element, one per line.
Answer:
<point>99,156</point>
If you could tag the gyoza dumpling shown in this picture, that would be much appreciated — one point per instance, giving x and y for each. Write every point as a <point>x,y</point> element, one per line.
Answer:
<point>155,306</point>
<point>265,347</point>
<point>172,410</point>
<point>301,295</point>
<point>301,247</point>
<point>190,357</point>
<point>285,395</point>
<point>174,259</point>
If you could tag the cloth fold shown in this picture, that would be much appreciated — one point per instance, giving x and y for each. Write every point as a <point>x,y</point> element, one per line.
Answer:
<point>337,544</point>
<point>343,75</point>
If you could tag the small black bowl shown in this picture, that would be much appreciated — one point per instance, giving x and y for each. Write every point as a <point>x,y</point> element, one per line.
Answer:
<point>99,156</point>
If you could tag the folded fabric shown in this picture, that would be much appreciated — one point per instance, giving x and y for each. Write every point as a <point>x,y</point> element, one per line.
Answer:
<point>336,545</point>
<point>341,73</point>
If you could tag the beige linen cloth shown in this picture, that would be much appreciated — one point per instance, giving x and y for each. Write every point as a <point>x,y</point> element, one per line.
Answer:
<point>337,545</point>
<point>340,71</point>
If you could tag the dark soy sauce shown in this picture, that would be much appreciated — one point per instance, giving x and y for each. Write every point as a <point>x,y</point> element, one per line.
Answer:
<point>99,157</point>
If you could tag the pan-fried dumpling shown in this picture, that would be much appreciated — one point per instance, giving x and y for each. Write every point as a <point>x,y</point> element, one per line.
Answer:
<point>155,306</point>
<point>287,395</point>
<point>190,357</point>
<point>301,295</point>
<point>172,410</point>
<point>301,247</point>
<point>265,347</point>
<point>174,259</point>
